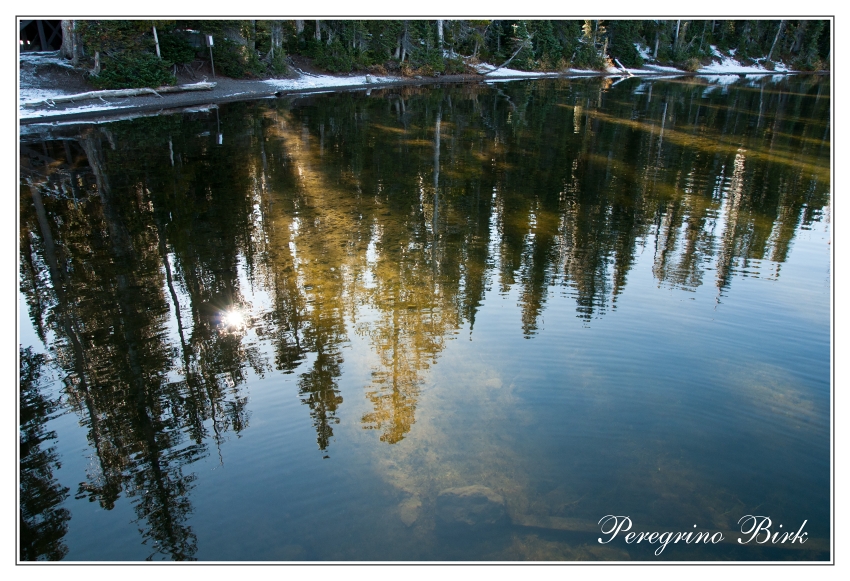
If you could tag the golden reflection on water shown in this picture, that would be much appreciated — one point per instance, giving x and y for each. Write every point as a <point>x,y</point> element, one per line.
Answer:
<point>717,143</point>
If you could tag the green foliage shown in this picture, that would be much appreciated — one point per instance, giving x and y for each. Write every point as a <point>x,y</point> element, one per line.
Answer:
<point>825,44</point>
<point>129,70</point>
<point>726,35</point>
<point>692,64</point>
<point>382,37</point>
<point>568,33</point>
<point>454,66</point>
<point>334,57</point>
<point>235,60</point>
<point>277,64</point>
<point>809,59</point>
<point>214,27</point>
<point>126,49</point>
<point>354,44</point>
<point>263,39</point>
<point>587,57</point>
<point>521,37</point>
<point>547,50</point>
<point>114,36</point>
<point>430,59</point>
<point>176,49</point>
<point>495,42</point>
<point>623,34</point>
<point>349,45</point>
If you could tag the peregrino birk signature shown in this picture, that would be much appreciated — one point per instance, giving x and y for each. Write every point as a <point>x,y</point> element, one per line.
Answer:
<point>755,529</point>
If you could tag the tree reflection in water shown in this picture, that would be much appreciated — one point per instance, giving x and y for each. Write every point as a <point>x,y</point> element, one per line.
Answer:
<point>43,521</point>
<point>387,216</point>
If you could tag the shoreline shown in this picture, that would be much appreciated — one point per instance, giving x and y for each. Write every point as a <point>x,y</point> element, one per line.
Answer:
<point>232,90</point>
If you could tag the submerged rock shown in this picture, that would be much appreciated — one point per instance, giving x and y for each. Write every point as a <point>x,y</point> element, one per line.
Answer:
<point>471,505</point>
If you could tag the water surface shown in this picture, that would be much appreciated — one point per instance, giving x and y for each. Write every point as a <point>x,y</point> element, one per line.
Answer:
<point>294,329</point>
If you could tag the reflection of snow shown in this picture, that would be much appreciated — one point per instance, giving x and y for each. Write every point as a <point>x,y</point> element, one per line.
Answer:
<point>720,79</point>
<point>724,81</point>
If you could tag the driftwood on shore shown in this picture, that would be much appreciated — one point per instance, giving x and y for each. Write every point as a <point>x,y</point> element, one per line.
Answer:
<point>202,86</point>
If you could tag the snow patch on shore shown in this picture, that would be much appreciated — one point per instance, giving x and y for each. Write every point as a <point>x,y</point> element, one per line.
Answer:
<point>486,68</point>
<point>28,92</point>
<point>730,65</point>
<point>45,58</point>
<point>643,51</point>
<point>32,95</point>
<point>662,69</point>
<point>29,61</point>
<point>35,113</point>
<point>649,73</point>
<point>305,82</point>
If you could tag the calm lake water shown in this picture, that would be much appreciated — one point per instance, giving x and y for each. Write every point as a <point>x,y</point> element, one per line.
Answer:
<point>430,323</point>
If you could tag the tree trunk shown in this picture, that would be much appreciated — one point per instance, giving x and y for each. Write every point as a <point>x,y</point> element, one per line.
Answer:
<point>525,43</point>
<point>775,38</point>
<point>404,42</point>
<point>70,41</point>
<point>252,37</point>
<point>440,33</point>
<point>276,38</point>
<point>676,36</point>
<point>299,26</point>
<point>798,37</point>
<point>318,31</point>
<point>156,42</point>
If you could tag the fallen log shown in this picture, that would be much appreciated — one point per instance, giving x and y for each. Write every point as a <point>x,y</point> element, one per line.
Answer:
<point>622,68</point>
<point>203,86</point>
<point>525,44</point>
